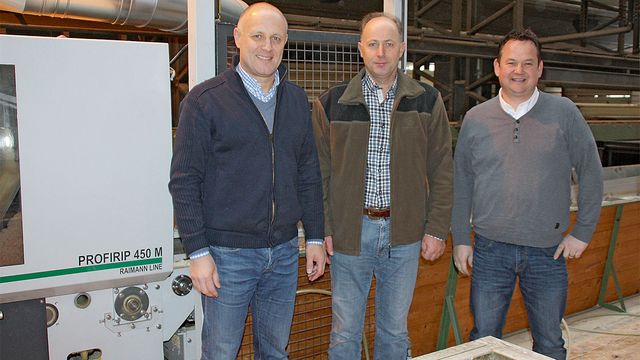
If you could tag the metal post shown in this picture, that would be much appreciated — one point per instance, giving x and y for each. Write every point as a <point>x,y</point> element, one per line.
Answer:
<point>202,64</point>
<point>634,13</point>
<point>518,15</point>
<point>458,99</point>
<point>623,21</point>
<point>399,9</point>
<point>201,37</point>
<point>609,267</point>
<point>584,15</point>
<point>456,17</point>
<point>449,317</point>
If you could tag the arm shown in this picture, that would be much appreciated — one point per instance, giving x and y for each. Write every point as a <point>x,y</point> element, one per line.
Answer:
<point>462,188</point>
<point>584,157</point>
<point>187,174</point>
<point>310,195</point>
<point>439,173</point>
<point>321,129</point>
<point>462,200</point>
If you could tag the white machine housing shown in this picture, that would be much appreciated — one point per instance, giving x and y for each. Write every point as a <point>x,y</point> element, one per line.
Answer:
<point>94,127</point>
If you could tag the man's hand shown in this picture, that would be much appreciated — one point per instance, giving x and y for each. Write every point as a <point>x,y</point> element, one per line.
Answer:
<point>463,256</point>
<point>432,248</point>
<point>316,258</point>
<point>328,245</point>
<point>204,274</point>
<point>570,248</point>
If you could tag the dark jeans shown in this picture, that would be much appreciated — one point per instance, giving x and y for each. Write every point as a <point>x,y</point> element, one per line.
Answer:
<point>543,283</point>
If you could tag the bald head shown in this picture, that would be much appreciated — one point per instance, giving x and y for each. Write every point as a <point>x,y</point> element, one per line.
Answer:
<point>258,9</point>
<point>260,37</point>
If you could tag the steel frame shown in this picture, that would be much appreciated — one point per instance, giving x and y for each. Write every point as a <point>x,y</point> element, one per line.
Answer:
<point>466,47</point>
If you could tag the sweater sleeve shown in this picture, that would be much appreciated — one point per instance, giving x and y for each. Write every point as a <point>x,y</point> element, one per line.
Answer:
<point>463,183</point>
<point>187,174</point>
<point>585,160</point>
<point>439,173</point>
<point>310,185</point>
<point>322,136</point>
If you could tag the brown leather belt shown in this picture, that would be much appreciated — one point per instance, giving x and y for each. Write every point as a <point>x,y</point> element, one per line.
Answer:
<point>376,214</point>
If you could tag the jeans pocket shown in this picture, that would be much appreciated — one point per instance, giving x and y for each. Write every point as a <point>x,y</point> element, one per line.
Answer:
<point>224,249</point>
<point>482,243</point>
<point>294,243</point>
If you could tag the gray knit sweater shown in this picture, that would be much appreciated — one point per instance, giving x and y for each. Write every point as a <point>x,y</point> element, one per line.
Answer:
<point>512,177</point>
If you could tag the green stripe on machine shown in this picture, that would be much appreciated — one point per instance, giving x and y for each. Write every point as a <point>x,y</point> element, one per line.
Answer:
<point>77,270</point>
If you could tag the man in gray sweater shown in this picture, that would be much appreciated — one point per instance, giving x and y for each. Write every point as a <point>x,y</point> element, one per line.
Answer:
<point>512,170</point>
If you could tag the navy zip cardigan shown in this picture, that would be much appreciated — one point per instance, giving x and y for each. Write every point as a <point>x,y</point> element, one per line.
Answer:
<point>235,185</point>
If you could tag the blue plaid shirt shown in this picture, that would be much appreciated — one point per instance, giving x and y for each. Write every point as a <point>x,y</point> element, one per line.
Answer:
<point>253,87</point>
<point>377,191</point>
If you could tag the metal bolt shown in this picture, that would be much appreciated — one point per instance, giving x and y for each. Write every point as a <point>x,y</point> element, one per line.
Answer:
<point>189,340</point>
<point>117,321</point>
<point>146,315</point>
<point>115,290</point>
<point>145,286</point>
<point>159,326</point>
<point>155,309</point>
<point>108,316</point>
<point>133,326</point>
<point>119,334</point>
<point>157,287</point>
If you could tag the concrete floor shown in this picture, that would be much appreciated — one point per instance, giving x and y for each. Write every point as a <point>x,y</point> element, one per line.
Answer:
<point>590,346</point>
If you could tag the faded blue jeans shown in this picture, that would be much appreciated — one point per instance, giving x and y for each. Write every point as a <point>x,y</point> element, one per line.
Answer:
<point>265,278</point>
<point>543,283</point>
<point>395,269</point>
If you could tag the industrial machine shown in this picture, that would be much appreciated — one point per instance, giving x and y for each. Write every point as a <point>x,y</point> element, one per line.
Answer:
<point>86,234</point>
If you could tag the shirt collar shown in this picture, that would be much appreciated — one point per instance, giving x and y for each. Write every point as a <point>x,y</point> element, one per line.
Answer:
<point>371,86</point>
<point>522,108</point>
<point>254,88</point>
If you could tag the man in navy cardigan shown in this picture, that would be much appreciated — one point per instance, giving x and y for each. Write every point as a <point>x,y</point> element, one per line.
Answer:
<point>244,173</point>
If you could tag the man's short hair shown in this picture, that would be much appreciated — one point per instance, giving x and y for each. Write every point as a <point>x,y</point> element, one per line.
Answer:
<point>521,35</point>
<point>373,15</point>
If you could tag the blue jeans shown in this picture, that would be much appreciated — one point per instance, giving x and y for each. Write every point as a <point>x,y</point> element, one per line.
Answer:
<point>395,269</point>
<point>543,283</point>
<point>265,278</point>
